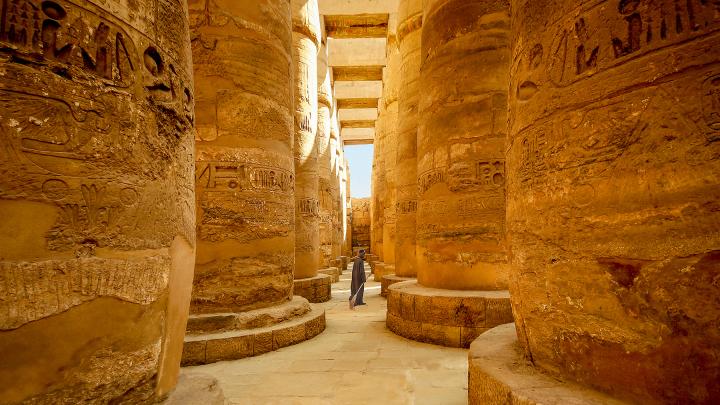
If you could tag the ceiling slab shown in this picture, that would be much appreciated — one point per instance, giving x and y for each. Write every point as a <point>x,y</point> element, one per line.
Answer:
<point>358,136</point>
<point>344,103</point>
<point>357,6</point>
<point>363,114</point>
<point>358,90</point>
<point>358,124</point>
<point>357,52</point>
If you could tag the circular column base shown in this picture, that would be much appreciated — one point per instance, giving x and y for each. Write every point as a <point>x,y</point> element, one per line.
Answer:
<point>500,374</point>
<point>333,272</point>
<point>390,279</point>
<point>451,318</point>
<point>314,289</point>
<point>231,336</point>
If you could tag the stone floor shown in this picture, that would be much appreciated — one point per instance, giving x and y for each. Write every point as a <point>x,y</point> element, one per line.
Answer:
<point>357,360</point>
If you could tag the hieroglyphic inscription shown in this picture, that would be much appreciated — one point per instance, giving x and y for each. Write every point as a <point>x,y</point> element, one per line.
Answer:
<point>639,27</point>
<point>430,178</point>
<point>34,291</point>
<point>238,176</point>
<point>711,105</point>
<point>491,174</point>
<point>308,207</point>
<point>406,207</point>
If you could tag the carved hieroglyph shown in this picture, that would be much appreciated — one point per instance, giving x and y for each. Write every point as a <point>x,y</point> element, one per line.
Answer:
<point>244,173</point>
<point>97,235</point>
<point>306,39</point>
<point>328,219</point>
<point>613,194</point>
<point>409,35</point>
<point>461,145</point>
<point>391,84</point>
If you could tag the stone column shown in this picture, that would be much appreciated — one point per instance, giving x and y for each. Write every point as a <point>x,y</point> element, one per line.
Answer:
<point>97,241</point>
<point>461,250</point>
<point>244,179</point>
<point>409,33</point>
<point>335,186</point>
<point>613,194</point>
<point>324,130</point>
<point>391,83</point>
<point>306,39</point>
<point>378,185</point>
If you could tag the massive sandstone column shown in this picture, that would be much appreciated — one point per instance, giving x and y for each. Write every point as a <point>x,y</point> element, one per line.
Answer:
<point>378,185</point>
<point>410,18</point>
<point>244,181</point>
<point>324,129</point>
<point>335,184</point>
<point>306,40</point>
<point>391,84</point>
<point>613,190</point>
<point>461,251</point>
<point>97,236</point>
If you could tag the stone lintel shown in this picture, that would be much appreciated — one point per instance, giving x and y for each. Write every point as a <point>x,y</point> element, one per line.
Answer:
<point>358,73</point>
<point>357,25</point>
<point>499,374</point>
<point>314,289</point>
<point>348,103</point>
<point>358,124</point>
<point>451,318</point>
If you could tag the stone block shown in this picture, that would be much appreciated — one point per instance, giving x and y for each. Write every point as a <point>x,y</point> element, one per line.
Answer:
<point>262,343</point>
<point>498,312</point>
<point>441,334</point>
<point>232,348</point>
<point>471,312</point>
<point>193,353</point>
<point>315,326</point>
<point>288,336</point>
<point>407,306</point>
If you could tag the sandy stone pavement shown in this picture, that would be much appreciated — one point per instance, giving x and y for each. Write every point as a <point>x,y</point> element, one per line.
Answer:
<point>357,360</point>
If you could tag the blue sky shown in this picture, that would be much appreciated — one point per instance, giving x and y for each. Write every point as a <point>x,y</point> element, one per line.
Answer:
<point>360,158</point>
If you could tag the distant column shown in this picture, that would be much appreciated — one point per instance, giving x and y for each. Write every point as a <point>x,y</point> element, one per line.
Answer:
<point>324,130</point>
<point>391,86</point>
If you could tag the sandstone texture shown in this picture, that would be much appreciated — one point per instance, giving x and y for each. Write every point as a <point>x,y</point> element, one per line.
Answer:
<point>444,317</point>
<point>499,374</point>
<point>314,289</point>
<point>461,240</point>
<point>389,278</point>
<point>244,173</point>
<point>613,212</point>
<point>97,236</point>
<point>361,225</point>
<point>306,41</point>
<point>196,389</point>
<point>410,19</point>
<point>391,83</point>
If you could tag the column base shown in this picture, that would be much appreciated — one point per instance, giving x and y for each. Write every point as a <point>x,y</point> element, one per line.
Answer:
<point>452,318</point>
<point>333,272</point>
<point>344,261</point>
<point>231,336</point>
<point>315,289</point>
<point>500,374</point>
<point>391,278</point>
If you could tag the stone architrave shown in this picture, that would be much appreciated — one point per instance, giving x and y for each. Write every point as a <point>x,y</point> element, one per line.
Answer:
<point>97,237</point>
<point>325,186</point>
<point>613,194</point>
<point>461,242</point>
<point>409,33</point>
<point>391,83</point>
<point>306,42</point>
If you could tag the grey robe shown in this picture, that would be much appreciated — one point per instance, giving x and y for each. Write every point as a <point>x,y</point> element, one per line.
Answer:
<point>358,278</point>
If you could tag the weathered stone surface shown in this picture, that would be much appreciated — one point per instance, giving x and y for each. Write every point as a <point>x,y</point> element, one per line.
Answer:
<point>196,388</point>
<point>613,194</point>
<point>244,171</point>
<point>361,225</point>
<point>258,318</point>
<point>409,34</point>
<point>333,272</point>
<point>97,236</point>
<point>314,289</point>
<point>306,41</point>
<point>499,374</point>
<point>461,145</point>
<point>444,317</point>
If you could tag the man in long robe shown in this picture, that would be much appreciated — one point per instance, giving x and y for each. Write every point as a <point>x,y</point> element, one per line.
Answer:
<point>357,285</point>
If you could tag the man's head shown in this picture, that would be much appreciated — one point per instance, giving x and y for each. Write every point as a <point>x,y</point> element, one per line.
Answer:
<point>361,253</point>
